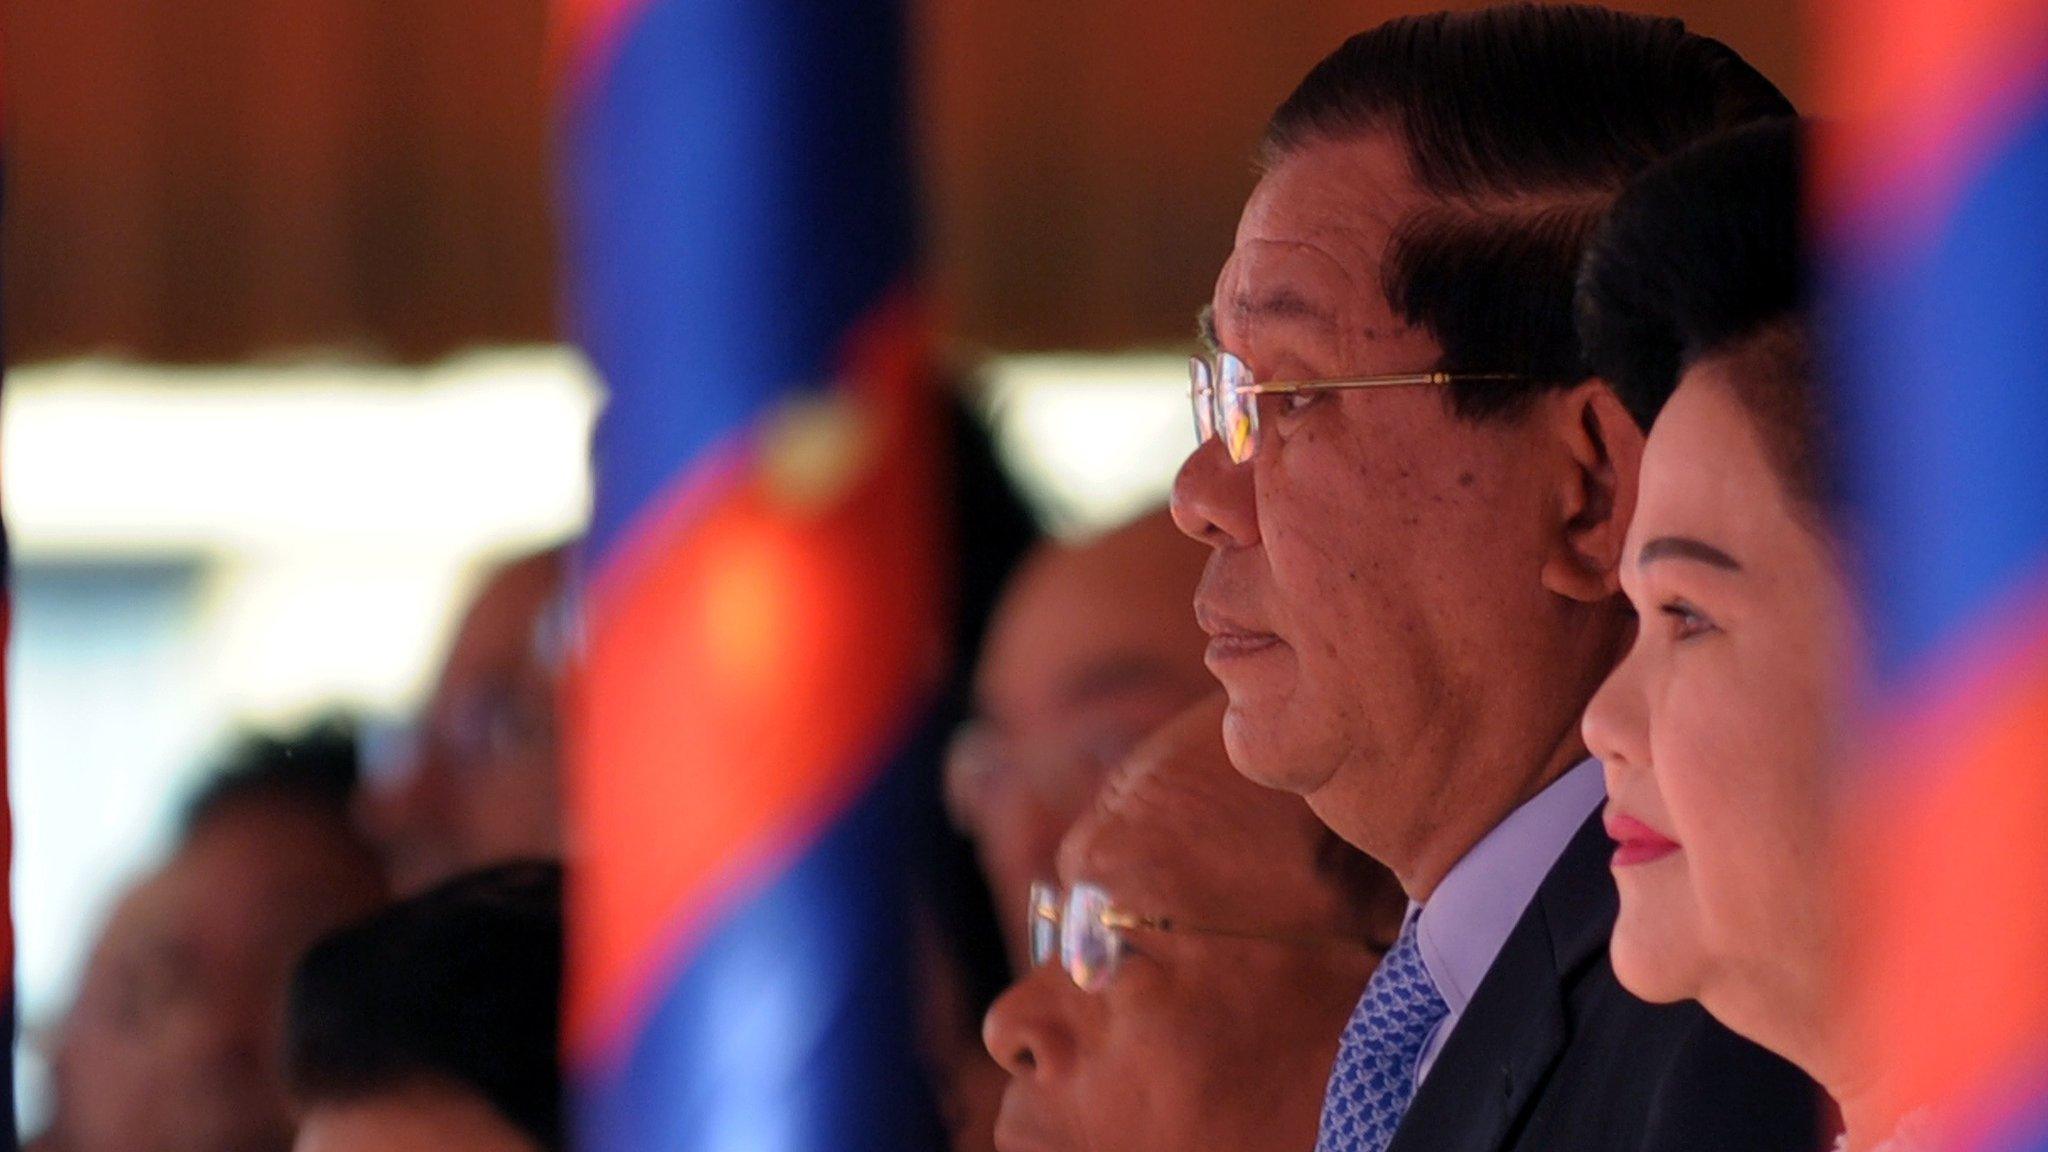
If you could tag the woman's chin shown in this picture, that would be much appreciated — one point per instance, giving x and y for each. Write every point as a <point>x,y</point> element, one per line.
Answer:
<point>1656,962</point>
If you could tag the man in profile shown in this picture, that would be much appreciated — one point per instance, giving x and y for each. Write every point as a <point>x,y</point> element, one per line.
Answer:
<point>1415,502</point>
<point>1191,966</point>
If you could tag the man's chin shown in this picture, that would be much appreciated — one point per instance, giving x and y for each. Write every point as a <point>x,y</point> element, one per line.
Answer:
<point>1255,738</point>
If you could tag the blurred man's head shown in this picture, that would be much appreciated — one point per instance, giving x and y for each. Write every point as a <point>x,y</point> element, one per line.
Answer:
<point>480,780</point>
<point>1411,593</point>
<point>435,1024</point>
<point>1093,645</point>
<point>172,1045</point>
<point>1217,1028</point>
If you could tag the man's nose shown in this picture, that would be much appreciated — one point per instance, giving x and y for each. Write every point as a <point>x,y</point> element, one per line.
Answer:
<point>1213,499</point>
<point>1024,1030</point>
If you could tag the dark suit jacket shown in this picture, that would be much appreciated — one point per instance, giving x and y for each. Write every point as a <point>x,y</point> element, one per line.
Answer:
<point>1553,1055</point>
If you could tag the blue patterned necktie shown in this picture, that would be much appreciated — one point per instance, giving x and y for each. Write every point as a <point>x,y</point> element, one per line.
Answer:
<point>1375,1074</point>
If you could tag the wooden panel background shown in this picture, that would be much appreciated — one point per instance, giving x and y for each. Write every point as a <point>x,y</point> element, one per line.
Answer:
<point>228,180</point>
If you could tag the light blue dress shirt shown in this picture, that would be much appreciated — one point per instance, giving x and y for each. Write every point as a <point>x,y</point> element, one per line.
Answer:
<point>1480,900</point>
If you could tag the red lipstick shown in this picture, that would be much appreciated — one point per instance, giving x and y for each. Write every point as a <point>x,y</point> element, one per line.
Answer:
<point>1634,841</point>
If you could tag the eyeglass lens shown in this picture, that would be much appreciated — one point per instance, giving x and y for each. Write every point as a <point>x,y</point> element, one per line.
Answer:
<point>1045,924</point>
<point>1078,929</point>
<point>1223,403</point>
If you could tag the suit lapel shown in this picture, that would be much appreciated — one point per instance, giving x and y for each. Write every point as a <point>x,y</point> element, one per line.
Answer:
<point>1501,1052</point>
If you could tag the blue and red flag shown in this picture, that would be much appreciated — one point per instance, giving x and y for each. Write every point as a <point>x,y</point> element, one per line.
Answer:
<point>9,1137</point>
<point>765,611</point>
<point>1934,200</point>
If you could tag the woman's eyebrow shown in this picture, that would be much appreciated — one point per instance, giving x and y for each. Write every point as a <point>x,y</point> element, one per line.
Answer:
<point>1685,548</point>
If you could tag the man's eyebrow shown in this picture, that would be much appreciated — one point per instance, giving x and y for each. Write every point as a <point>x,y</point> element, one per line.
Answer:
<point>1283,304</point>
<point>1686,548</point>
<point>1075,860</point>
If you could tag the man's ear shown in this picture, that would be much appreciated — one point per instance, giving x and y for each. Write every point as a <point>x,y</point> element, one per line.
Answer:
<point>1602,458</point>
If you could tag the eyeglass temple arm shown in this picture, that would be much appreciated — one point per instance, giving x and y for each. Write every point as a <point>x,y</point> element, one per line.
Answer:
<point>1407,380</point>
<point>1125,920</point>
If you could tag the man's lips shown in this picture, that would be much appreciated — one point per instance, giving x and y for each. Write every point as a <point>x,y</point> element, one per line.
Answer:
<point>1229,646</point>
<point>1634,841</point>
<point>1228,638</point>
<point>1021,1128</point>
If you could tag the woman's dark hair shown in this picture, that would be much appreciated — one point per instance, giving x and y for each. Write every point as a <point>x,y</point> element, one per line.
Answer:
<point>1704,256</point>
<point>460,985</point>
<point>1523,121</point>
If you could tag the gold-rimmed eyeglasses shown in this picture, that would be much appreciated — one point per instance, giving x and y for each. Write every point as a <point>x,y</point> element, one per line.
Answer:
<point>1226,397</point>
<point>1086,932</point>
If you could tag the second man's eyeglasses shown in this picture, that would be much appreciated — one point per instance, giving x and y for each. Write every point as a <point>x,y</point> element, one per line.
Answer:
<point>1086,932</point>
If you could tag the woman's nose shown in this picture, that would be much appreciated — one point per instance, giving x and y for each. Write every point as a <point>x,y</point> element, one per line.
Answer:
<point>1616,725</point>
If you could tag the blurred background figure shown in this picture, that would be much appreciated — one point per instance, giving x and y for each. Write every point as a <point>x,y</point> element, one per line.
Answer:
<point>434,1025</point>
<point>478,781</point>
<point>1093,646</point>
<point>172,1044</point>
<point>1090,646</point>
<point>1191,973</point>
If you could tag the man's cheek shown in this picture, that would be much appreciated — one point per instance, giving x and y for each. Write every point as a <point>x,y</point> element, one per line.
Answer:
<point>1311,563</point>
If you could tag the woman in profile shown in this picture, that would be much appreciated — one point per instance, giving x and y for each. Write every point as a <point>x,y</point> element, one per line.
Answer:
<point>1719,730</point>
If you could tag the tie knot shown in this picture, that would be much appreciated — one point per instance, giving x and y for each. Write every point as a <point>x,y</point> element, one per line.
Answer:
<point>1401,994</point>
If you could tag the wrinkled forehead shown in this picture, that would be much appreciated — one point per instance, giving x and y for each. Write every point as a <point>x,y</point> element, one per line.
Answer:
<point>1314,235</point>
<point>1285,282</point>
<point>1174,839</point>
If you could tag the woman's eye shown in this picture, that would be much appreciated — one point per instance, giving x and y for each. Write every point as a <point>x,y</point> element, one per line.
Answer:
<point>1686,620</point>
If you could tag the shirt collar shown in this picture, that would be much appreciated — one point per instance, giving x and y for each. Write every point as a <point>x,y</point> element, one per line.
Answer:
<point>1469,916</point>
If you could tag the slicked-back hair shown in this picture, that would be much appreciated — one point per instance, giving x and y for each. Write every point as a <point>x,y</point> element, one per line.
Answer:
<point>1704,256</point>
<point>1523,121</point>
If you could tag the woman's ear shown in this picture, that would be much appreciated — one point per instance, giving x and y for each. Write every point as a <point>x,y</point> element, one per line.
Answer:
<point>1596,493</point>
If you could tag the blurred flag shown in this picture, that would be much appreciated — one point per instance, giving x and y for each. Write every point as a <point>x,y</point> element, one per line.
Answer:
<point>8,1135</point>
<point>1934,195</point>
<point>765,613</point>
